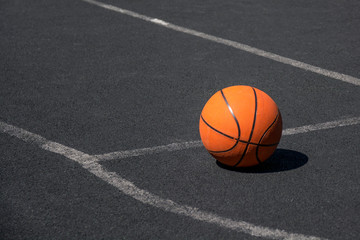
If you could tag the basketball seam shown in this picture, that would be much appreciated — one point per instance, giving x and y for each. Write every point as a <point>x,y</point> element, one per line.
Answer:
<point>236,121</point>
<point>232,113</point>
<point>211,127</point>
<point>252,130</point>
<point>239,140</point>
<point>257,148</point>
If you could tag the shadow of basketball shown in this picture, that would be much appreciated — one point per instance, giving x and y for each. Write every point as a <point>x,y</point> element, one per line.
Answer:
<point>281,160</point>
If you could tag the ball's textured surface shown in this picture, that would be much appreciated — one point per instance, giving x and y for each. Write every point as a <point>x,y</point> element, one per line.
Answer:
<point>240,126</point>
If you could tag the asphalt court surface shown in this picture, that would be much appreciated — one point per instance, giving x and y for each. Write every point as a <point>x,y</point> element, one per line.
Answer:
<point>99,81</point>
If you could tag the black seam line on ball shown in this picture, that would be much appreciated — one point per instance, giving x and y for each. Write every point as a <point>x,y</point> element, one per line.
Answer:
<point>252,130</point>
<point>237,125</point>
<point>222,134</point>
<point>242,141</point>
<point>232,113</point>
<point>228,136</point>
<point>257,148</point>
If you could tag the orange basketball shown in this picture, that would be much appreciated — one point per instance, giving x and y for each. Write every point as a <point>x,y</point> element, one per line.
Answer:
<point>240,126</point>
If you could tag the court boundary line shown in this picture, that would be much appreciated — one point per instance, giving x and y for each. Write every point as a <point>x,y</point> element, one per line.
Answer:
<point>230,43</point>
<point>196,144</point>
<point>91,163</point>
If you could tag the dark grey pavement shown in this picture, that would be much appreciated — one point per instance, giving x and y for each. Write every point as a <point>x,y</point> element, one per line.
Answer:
<point>99,81</point>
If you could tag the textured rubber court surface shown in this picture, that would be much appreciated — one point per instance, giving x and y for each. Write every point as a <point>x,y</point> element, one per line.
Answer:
<point>99,81</point>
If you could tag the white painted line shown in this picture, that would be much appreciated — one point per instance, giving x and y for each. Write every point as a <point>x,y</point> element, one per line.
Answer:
<point>322,126</point>
<point>195,144</point>
<point>160,22</point>
<point>237,45</point>
<point>90,163</point>
<point>150,150</point>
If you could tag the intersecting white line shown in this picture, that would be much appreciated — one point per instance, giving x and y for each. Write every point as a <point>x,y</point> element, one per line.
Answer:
<point>91,164</point>
<point>195,144</point>
<point>237,45</point>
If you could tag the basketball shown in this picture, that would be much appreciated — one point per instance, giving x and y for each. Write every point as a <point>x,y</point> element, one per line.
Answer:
<point>240,126</point>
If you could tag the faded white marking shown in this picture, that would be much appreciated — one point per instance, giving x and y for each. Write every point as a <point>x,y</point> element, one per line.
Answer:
<point>150,150</point>
<point>90,163</point>
<point>322,126</point>
<point>160,22</point>
<point>237,45</point>
<point>195,144</point>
